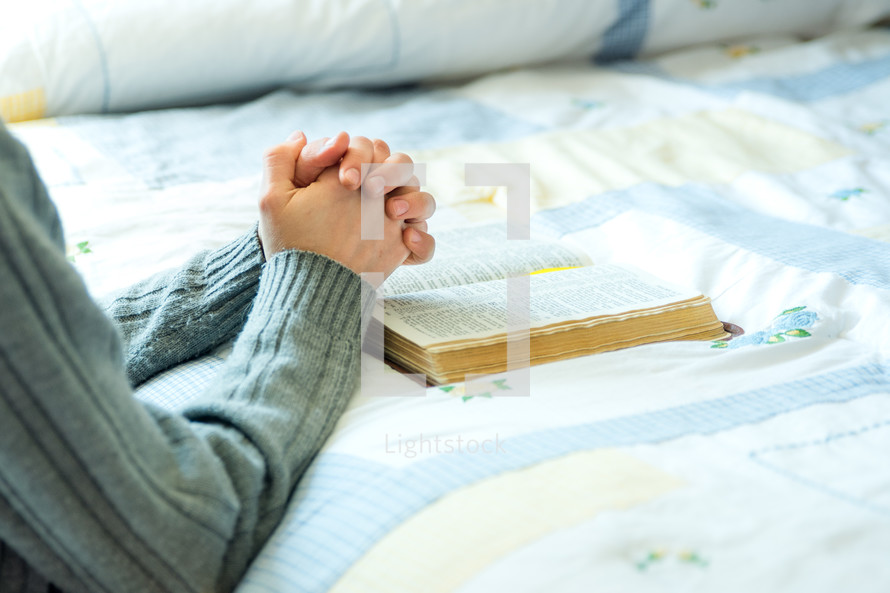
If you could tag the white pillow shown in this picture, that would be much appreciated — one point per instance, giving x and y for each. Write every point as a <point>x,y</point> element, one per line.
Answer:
<point>87,56</point>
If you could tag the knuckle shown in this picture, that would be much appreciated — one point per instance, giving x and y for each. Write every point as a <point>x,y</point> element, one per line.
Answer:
<point>267,203</point>
<point>400,157</point>
<point>361,141</point>
<point>273,152</point>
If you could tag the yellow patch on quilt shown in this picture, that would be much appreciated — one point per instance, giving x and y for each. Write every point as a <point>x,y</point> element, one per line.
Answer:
<point>451,540</point>
<point>23,106</point>
<point>879,233</point>
<point>568,166</point>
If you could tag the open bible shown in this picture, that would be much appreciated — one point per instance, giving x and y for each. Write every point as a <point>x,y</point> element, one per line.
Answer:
<point>449,317</point>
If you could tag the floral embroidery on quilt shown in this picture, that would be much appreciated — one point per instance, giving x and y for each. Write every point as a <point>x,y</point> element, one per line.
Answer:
<point>81,248</point>
<point>739,50</point>
<point>790,323</point>
<point>872,128</point>
<point>660,555</point>
<point>586,104</point>
<point>846,194</point>
<point>460,390</point>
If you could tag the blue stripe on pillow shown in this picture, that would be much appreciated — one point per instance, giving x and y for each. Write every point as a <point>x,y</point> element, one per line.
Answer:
<point>624,38</point>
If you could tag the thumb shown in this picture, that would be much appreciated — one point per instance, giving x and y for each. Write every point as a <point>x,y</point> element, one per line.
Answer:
<point>279,166</point>
<point>318,156</point>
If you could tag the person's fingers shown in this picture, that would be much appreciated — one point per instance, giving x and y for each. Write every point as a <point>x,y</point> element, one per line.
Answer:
<point>411,186</point>
<point>317,156</point>
<point>361,150</point>
<point>420,243</point>
<point>420,225</point>
<point>395,171</point>
<point>411,207</point>
<point>381,150</point>
<point>279,165</point>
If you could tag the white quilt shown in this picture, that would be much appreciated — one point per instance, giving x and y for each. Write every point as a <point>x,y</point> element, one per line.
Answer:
<point>756,171</point>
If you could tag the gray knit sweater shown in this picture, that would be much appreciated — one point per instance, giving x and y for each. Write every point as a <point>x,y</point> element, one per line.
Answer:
<point>102,493</point>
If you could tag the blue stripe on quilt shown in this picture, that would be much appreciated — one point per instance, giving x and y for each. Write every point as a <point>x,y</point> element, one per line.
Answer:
<point>624,39</point>
<point>834,488</point>
<point>363,501</point>
<point>857,259</point>
<point>831,81</point>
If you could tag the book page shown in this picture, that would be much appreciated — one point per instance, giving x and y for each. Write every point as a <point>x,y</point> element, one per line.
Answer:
<point>479,310</point>
<point>478,254</point>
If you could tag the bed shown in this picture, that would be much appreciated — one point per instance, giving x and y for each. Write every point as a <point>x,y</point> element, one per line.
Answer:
<point>738,147</point>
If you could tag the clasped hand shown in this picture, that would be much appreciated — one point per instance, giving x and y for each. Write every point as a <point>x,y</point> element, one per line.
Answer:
<point>311,200</point>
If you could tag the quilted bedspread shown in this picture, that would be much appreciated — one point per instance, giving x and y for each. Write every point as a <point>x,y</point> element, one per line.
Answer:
<point>756,171</point>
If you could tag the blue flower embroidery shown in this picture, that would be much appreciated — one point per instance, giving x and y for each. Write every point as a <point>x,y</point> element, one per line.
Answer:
<point>791,323</point>
<point>846,194</point>
<point>586,104</point>
<point>794,320</point>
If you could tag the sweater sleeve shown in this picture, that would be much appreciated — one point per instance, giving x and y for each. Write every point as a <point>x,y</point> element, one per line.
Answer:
<point>103,493</point>
<point>175,316</point>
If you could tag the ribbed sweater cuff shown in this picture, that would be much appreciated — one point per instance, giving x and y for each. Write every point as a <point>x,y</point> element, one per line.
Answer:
<point>316,290</point>
<point>176,315</point>
<point>236,264</point>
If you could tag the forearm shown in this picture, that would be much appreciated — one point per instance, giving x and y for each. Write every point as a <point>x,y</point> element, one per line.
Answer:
<point>102,493</point>
<point>285,385</point>
<point>173,502</point>
<point>177,315</point>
